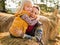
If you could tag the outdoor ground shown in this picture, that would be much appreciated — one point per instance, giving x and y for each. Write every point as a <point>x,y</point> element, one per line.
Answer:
<point>6,39</point>
<point>57,40</point>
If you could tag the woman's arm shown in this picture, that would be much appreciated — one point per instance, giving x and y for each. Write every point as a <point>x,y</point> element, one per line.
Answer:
<point>28,20</point>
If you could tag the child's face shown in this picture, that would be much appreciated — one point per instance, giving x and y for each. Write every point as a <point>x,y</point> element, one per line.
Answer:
<point>34,12</point>
<point>28,7</point>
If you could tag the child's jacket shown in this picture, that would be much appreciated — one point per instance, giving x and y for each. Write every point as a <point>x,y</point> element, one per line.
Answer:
<point>18,24</point>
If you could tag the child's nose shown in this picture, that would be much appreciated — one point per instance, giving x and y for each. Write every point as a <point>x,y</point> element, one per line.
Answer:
<point>31,9</point>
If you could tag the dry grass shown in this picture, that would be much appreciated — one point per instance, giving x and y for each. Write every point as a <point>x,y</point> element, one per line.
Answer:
<point>59,27</point>
<point>4,34</point>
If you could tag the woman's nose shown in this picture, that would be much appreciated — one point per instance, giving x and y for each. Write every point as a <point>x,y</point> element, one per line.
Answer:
<point>33,13</point>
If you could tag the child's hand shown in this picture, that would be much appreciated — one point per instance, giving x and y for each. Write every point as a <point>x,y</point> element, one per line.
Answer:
<point>19,32</point>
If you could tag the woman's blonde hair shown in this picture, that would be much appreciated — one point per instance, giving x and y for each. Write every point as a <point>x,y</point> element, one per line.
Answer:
<point>20,8</point>
<point>37,7</point>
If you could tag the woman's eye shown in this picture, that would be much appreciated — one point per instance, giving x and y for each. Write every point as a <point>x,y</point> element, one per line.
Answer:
<point>31,11</point>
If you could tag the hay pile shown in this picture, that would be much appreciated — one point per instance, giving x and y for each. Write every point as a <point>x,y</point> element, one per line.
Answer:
<point>16,41</point>
<point>50,24</point>
<point>5,21</point>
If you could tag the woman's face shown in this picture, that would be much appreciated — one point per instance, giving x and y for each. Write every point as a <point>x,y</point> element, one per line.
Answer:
<point>34,12</point>
<point>28,7</point>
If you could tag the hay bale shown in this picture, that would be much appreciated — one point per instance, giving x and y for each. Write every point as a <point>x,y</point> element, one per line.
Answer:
<point>5,21</point>
<point>54,19</point>
<point>46,28</point>
<point>49,26</point>
<point>17,41</point>
<point>54,26</point>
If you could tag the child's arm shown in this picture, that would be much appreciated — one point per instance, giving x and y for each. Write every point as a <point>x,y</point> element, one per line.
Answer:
<point>28,20</point>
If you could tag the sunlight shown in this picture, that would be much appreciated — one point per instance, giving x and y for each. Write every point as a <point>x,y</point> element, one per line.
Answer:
<point>38,1</point>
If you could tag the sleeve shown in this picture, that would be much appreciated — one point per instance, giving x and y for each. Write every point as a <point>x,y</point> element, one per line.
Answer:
<point>28,20</point>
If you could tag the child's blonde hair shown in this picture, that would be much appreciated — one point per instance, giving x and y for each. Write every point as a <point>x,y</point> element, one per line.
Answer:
<point>19,10</point>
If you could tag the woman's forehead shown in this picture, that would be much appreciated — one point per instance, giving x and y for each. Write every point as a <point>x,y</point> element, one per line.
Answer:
<point>36,10</point>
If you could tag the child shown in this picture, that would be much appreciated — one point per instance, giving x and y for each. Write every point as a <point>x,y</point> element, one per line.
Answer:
<point>19,26</point>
